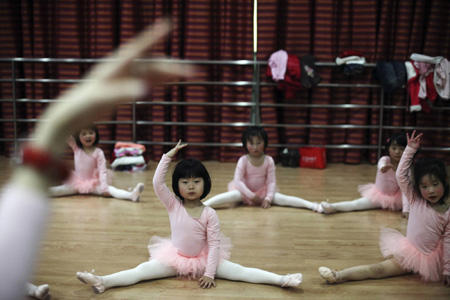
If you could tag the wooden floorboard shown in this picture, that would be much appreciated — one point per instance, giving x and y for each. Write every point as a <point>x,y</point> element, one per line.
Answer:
<point>88,233</point>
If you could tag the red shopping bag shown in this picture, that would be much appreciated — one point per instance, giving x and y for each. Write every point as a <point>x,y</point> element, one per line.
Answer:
<point>313,157</point>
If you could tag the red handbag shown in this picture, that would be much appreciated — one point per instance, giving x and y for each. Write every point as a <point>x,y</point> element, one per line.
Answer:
<point>313,157</point>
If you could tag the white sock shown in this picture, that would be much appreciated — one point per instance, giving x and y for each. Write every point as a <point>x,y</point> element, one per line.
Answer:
<point>148,270</point>
<point>114,192</point>
<point>355,205</point>
<point>62,190</point>
<point>232,271</point>
<point>228,197</point>
<point>284,200</point>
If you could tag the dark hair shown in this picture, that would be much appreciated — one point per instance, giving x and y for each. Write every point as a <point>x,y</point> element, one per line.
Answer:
<point>254,131</point>
<point>190,168</point>
<point>432,167</point>
<point>77,135</point>
<point>400,138</point>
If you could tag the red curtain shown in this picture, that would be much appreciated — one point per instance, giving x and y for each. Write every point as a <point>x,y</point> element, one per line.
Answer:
<point>222,30</point>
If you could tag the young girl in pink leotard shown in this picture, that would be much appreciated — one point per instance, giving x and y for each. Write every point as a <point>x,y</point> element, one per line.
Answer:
<point>254,179</point>
<point>90,175</point>
<point>196,249</point>
<point>426,248</point>
<point>385,192</point>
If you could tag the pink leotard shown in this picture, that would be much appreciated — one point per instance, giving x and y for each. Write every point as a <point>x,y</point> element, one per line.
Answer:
<point>251,180</point>
<point>90,169</point>
<point>196,246</point>
<point>385,191</point>
<point>426,247</point>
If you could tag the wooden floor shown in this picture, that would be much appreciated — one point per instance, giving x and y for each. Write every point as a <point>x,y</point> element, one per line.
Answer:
<point>88,233</point>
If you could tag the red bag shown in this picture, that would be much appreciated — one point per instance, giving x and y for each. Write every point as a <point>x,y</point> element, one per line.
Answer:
<point>313,157</point>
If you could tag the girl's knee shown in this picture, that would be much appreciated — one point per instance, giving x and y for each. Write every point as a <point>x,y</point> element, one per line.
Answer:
<point>386,268</point>
<point>377,270</point>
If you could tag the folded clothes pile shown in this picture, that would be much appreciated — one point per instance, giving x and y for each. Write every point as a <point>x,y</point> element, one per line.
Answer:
<point>352,62</point>
<point>128,157</point>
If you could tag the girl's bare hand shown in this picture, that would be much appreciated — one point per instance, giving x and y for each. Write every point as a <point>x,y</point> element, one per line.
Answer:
<point>265,204</point>
<point>206,282</point>
<point>386,168</point>
<point>256,199</point>
<point>175,149</point>
<point>414,141</point>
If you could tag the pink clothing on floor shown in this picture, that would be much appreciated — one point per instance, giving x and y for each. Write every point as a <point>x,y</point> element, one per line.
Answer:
<point>90,169</point>
<point>385,192</point>
<point>426,247</point>
<point>251,180</point>
<point>196,246</point>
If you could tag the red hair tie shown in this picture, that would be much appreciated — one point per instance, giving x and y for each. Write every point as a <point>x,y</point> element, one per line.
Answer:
<point>43,161</point>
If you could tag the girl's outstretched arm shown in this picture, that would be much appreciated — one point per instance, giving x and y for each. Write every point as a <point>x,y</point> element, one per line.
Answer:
<point>402,173</point>
<point>23,204</point>
<point>159,178</point>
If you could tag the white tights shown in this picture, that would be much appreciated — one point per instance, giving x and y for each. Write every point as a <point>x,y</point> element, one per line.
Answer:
<point>154,269</point>
<point>384,269</point>
<point>66,190</point>
<point>278,199</point>
<point>358,204</point>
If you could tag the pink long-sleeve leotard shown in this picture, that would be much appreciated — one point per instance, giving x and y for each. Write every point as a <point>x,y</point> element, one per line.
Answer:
<point>196,246</point>
<point>90,169</point>
<point>385,192</point>
<point>426,247</point>
<point>251,180</point>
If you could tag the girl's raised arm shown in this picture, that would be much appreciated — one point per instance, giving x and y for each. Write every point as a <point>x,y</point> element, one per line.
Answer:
<point>24,205</point>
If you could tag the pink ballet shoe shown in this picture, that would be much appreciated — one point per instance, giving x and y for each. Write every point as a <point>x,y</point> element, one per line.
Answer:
<point>136,195</point>
<point>328,274</point>
<point>42,292</point>
<point>318,208</point>
<point>93,281</point>
<point>327,208</point>
<point>293,280</point>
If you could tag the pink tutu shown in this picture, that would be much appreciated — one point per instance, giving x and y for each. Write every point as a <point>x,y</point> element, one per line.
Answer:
<point>386,201</point>
<point>163,250</point>
<point>87,186</point>
<point>262,193</point>
<point>430,267</point>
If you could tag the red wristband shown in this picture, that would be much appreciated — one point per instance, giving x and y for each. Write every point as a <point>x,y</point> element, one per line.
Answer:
<point>44,162</point>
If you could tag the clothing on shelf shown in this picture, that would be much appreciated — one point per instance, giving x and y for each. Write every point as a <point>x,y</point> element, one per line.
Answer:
<point>292,73</point>
<point>420,85</point>
<point>352,62</point>
<point>442,79</point>
<point>391,75</point>
<point>309,77</point>
<point>128,157</point>
<point>277,63</point>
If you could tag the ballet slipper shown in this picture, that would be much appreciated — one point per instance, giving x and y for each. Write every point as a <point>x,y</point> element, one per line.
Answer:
<point>329,275</point>
<point>42,292</point>
<point>136,195</point>
<point>293,280</point>
<point>318,208</point>
<point>93,281</point>
<point>327,208</point>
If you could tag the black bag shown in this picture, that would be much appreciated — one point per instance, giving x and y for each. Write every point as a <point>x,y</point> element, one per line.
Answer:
<point>290,158</point>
